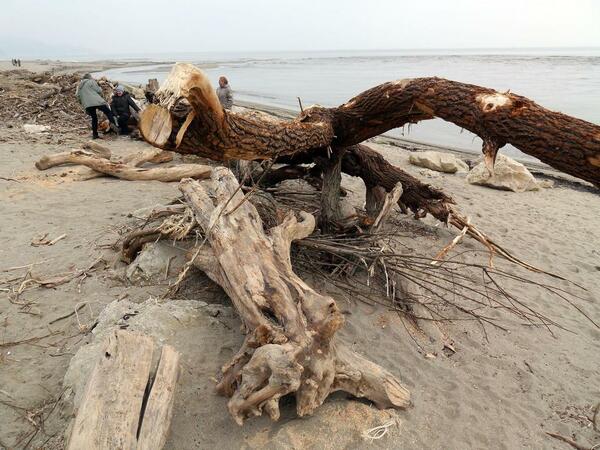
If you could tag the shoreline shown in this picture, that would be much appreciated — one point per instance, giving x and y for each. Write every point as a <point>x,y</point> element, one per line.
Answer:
<point>62,66</point>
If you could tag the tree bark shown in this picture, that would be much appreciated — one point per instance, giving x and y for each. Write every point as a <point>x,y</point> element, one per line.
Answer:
<point>364,162</point>
<point>369,165</point>
<point>291,344</point>
<point>189,119</point>
<point>330,191</point>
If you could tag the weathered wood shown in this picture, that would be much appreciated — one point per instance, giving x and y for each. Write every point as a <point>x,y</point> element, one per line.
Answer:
<point>96,148</point>
<point>127,172</point>
<point>109,414</point>
<point>374,199</point>
<point>159,409</point>
<point>290,344</point>
<point>151,155</point>
<point>386,207</point>
<point>124,405</point>
<point>189,119</point>
<point>57,159</point>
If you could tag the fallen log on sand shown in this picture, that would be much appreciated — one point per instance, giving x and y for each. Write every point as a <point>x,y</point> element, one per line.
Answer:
<point>127,170</point>
<point>57,159</point>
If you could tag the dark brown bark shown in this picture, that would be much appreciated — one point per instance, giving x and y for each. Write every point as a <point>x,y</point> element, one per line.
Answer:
<point>330,191</point>
<point>190,119</point>
<point>364,162</point>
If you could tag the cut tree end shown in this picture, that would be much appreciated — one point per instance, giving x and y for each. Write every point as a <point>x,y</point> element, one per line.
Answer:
<point>156,125</point>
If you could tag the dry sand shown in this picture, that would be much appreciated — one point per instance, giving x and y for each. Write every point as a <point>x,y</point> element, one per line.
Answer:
<point>502,393</point>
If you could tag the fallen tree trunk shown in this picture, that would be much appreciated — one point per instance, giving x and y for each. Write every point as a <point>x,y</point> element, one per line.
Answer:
<point>125,171</point>
<point>291,345</point>
<point>152,155</point>
<point>189,119</point>
<point>57,159</point>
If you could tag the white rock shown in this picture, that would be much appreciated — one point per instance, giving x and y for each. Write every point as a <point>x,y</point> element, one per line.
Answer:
<point>429,173</point>
<point>34,128</point>
<point>153,260</point>
<point>440,162</point>
<point>509,175</point>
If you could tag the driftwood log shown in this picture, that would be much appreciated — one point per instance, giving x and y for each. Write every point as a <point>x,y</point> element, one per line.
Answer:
<point>291,345</point>
<point>127,404</point>
<point>188,118</point>
<point>128,168</point>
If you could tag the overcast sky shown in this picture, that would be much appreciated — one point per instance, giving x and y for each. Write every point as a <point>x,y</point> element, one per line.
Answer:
<point>163,26</point>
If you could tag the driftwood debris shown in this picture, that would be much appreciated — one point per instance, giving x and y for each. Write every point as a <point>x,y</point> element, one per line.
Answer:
<point>125,405</point>
<point>57,159</point>
<point>130,173</point>
<point>291,345</point>
<point>97,158</point>
<point>242,242</point>
<point>188,118</point>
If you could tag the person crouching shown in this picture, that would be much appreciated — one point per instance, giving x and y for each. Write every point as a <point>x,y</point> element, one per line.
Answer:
<point>121,101</point>
<point>89,94</point>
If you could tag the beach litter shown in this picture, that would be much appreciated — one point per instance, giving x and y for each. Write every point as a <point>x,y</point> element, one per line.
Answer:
<point>33,128</point>
<point>378,432</point>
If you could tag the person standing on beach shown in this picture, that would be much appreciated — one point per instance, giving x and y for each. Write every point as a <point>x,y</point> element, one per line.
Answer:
<point>89,94</point>
<point>120,104</point>
<point>224,93</point>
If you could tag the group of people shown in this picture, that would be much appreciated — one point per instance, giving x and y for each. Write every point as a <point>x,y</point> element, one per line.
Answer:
<point>16,62</point>
<point>89,94</point>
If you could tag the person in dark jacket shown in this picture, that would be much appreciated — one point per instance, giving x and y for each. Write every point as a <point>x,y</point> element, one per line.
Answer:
<point>89,94</point>
<point>120,104</point>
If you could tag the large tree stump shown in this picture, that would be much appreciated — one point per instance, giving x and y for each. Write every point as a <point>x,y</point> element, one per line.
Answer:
<point>189,119</point>
<point>291,345</point>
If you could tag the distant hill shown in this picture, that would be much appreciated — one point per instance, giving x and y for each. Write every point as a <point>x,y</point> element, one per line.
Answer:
<point>26,48</point>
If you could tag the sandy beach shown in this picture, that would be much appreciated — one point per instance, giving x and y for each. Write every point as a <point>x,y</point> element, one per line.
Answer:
<point>56,66</point>
<point>500,389</point>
